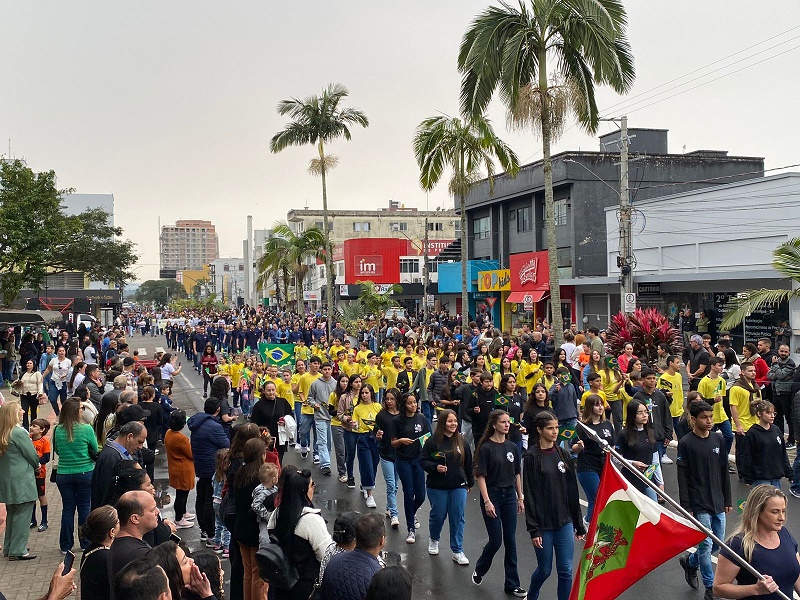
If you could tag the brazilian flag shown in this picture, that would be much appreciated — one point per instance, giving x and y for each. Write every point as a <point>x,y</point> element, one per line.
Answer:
<point>277,354</point>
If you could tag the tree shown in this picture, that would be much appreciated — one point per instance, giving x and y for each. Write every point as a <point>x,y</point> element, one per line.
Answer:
<point>511,50</point>
<point>279,268</point>
<point>374,302</point>
<point>296,249</point>
<point>786,261</point>
<point>465,147</point>
<point>645,329</point>
<point>160,291</point>
<point>37,238</point>
<point>318,120</point>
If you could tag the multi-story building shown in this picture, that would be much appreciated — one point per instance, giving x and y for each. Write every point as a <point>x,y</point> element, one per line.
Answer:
<point>227,279</point>
<point>188,245</point>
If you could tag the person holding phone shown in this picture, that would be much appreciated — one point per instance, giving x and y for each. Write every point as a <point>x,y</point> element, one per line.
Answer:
<point>100,529</point>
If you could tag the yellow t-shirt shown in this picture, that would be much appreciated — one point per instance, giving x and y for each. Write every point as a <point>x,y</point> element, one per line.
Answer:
<point>335,421</point>
<point>674,384</point>
<point>364,415</point>
<point>302,353</point>
<point>386,359</point>
<point>224,370</point>
<point>710,388</point>
<point>527,369</point>
<point>588,393</point>
<point>235,371</point>
<point>349,368</point>
<point>609,380</point>
<point>284,390</point>
<point>372,375</point>
<point>419,362</point>
<point>390,376</point>
<point>361,356</point>
<point>740,398</point>
<point>304,384</point>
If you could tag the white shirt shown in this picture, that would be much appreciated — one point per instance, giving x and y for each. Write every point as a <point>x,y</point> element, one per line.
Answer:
<point>60,371</point>
<point>569,347</point>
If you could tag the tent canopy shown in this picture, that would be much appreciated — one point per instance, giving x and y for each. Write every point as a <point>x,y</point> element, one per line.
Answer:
<point>12,318</point>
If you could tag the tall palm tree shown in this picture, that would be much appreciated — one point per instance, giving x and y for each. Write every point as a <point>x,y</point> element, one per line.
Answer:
<point>319,120</point>
<point>465,146</point>
<point>277,266</point>
<point>507,48</point>
<point>296,249</point>
<point>786,261</point>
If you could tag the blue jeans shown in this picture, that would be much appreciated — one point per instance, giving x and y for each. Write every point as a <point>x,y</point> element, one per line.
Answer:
<point>53,394</point>
<point>350,450</point>
<point>796,473</point>
<point>76,494</point>
<point>368,458</point>
<point>413,479</point>
<point>702,557</point>
<point>448,503</point>
<point>389,470</point>
<point>427,411</point>
<point>590,482</point>
<point>773,482</point>
<point>304,427</point>
<point>562,541</point>
<point>324,442</point>
<point>222,537</point>
<point>727,434</point>
<point>502,531</point>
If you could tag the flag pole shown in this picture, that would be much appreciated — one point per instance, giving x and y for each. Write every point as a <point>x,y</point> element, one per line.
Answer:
<point>606,447</point>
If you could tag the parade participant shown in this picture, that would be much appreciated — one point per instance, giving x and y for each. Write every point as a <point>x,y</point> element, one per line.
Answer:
<point>660,412</point>
<point>306,423</point>
<point>270,413</point>
<point>409,430</point>
<point>671,383</point>
<point>705,489</point>
<point>208,364</point>
<point>405,378</point>
<point>448,462</point>
<point>613,380</point>
<point>388,456</point>
<point>481,404</point>
<point>346,405</point>
<point>637,443</point>
<point>552,508</point>
<point>712,388</point>
<point>591,458</point>
<point>318,395</point>
<point>564,400</point>
<point>511,401</point>
<point>765,460</point>
<point>743,394</point>
<point>337,429</point>
<point>364,416</point>
<point>762,540</point>
<point>497,471</point>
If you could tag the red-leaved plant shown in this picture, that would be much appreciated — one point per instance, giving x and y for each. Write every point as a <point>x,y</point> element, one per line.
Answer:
<point>646,328</point>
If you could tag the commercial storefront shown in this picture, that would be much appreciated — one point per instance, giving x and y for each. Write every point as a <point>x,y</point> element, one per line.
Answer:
<point>450,286</point>
<point>529,299</point>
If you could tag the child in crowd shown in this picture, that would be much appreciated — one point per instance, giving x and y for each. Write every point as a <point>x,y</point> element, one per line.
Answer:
<point>163,397</point>
<point>38,431</point>
<point>264,496</point>
<point>222,537</point>
<point>244,392</point>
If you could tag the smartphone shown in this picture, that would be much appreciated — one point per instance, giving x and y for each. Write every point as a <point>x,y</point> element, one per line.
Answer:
<point>69,560</point>
<point>175,538</point>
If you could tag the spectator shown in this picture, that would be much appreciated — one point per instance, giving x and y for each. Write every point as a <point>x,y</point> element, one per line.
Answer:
<point>349,574</point>
<point>209,565</point>
<point>391,583</point>
<point>180,466</point>
<point>130,478</point>
<point>100,530</point>
<point>138,515</point>
<point>344,539</point>
<point>182,574</point>
<point>143,580</point>
<point>129,440</point>
<point>246,529</point>
<point>30,390</point>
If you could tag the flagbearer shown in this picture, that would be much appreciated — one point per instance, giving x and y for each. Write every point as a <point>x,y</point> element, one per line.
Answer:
<point>705,489</point>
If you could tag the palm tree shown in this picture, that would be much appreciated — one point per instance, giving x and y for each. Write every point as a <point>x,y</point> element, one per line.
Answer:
<point>508,48</point>
<point>296,249</point>
<point>279,267</point>
<point>318,120</point>
<point>465,147</point>
<point>786,261</point>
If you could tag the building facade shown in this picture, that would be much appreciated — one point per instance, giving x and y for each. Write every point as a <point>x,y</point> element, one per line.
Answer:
<point>188,245</point>
<point>227,279</point>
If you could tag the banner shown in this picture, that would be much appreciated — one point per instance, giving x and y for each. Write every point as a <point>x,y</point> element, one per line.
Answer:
<point>276,354</point>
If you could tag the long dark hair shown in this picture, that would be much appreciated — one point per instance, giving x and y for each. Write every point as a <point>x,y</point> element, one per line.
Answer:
<point>253,457</point>
<point>165,359</point>
<point>339,391</point>
<point>70,416</point>
<point>209,565</point>
<point>108,406</point>
<point>630,424</point>
<point>456,439</point>
<point>220,388</point>
<point>293,499</point>
<point>164,556</point>
<point>244,432</point>
<point>531,405</point>
<point>541,419</point>
<point>489,431</point>
<point>503,385</point>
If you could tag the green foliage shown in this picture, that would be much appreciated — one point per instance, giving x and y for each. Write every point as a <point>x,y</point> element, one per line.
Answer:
<point>37,238</point>
<point>159,291</point>
<point>192,304</point>
<point>375,304</point>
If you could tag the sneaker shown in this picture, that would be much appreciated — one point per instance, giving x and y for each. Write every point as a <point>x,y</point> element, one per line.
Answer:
<point>203,536</point>
<point>690,572</point>
<point>189,516</point>
<point>395,522</point>
<point>476,579</point>
<point>184,524</point>
<point>325,471</point>
<point>731,469</point>
<point>304,452</point>
<point>209,543</point>
<point>433,547</point>
<point>416,522</point>
<point>351,483</point>
<point>794,492</point>
<point>343,478</point>
<point>411,537</point>
<point>371,502</point>
<point>666,460</point>
<point>298,447</point>
<point>33,525</point>
<point>226,553</point>
<point>790,445</point>
<point>218,548</point>
<point>205,395</point>
<point>709,594</point>
<point>460,558</point>
<point>42,527</point>
<point>518,592</point>
<point>316,460</point>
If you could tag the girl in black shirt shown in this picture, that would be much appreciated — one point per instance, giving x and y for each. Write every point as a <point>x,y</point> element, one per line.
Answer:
<point>590,456</point>
<point>552,506</point>
<point>408,429</point>
<point>388,456</point>
<point>637,443</point>
<point>511,401</point>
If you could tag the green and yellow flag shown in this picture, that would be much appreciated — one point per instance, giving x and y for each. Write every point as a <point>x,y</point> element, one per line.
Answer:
<point>276,354</point>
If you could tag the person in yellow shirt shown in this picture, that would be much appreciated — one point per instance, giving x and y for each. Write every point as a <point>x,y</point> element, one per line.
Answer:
<point>388,355</point>
<point>531,371</point>
<point>333,350</point>
<point>235,369</point>
<point>346,366</point>
<point>420,358</point>
<point>671,383</point>
<point>743,394</point>
<point>362,354</point>
<point>301,351</point>
<point>337,430</point>
<point>371,373</point>
<point>390,373</point>
<point>596,388</point>
<point>306,425</point>
<point>613,380</point>
<point>712,388</point>
<point>364,416</point>
<point>549,379</point>
<point>409,352</point>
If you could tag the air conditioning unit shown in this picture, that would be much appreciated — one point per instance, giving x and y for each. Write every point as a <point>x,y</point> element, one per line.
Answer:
<point>417,280</point>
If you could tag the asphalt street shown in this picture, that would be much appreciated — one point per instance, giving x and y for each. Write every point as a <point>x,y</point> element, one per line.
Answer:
<point>438,576</point>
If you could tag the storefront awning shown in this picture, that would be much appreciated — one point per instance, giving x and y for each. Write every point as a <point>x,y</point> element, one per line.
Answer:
<point>519,297</point>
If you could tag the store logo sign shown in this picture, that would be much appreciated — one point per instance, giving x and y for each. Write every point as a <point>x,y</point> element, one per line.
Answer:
<point>369,266</point>
<point>527,274</point>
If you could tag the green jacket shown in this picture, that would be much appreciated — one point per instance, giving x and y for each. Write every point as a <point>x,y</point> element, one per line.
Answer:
<point>17,478</point>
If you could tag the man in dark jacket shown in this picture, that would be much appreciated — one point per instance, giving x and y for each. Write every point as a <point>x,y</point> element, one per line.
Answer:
<point>438,382</point>
<point>208,436</point>
<point>94,384</point>
<point>124,446</point>
<point>781,374</point>
<point>348,574</point>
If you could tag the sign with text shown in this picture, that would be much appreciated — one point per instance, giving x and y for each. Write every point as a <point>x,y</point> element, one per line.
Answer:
<point>368,266</point>
<point>494,281</point>
<point>649,289</point>
<point>630,303</point>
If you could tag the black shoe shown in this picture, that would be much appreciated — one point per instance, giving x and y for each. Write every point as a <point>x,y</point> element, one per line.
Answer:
<point>518,592</point>
<point>325,471</point>
<point>476,579</point>
<point>351,483</point>
<point>26,556</point>
<point>709,595</point>
<point>205,395</point>
<point>33,524</point>
<point>689,572</point>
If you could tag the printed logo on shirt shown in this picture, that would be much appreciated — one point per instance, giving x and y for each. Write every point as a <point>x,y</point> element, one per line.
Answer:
<point>417,428</point>
<point>716,450</point>
<point>562,467</point>
<point>606,433</point>
<point>779,439</point>
<point>510,457</point>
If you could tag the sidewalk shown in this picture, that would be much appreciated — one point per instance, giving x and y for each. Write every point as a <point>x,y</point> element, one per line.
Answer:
<point>29,580</point>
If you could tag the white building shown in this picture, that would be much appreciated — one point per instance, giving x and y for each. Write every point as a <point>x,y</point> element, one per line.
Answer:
<point>227,278</point>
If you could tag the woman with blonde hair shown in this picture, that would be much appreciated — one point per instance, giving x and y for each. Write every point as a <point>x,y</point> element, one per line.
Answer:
<point>763,541</point>
<point>18,460</point>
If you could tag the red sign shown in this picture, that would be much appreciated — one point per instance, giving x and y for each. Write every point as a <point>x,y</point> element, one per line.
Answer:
<point>490,301</point>
<point>368,265</point>
<point>529,271</point>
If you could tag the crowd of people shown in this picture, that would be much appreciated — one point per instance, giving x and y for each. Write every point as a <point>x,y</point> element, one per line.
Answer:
<point>436,407</point>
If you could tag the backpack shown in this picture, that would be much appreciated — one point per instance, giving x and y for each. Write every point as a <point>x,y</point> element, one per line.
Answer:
<point>274,565</point>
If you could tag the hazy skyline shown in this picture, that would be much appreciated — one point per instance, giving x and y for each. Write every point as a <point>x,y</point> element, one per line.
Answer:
<point>171,106</point>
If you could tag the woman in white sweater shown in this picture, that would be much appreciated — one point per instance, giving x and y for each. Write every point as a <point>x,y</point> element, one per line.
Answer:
<point>30,390</point>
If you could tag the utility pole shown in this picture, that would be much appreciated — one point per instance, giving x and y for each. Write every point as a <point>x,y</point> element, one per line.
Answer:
<point>426,277</point>
<point>624,260</point>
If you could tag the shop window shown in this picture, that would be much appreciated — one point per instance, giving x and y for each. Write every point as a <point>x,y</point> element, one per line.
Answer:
<point>481,228</point>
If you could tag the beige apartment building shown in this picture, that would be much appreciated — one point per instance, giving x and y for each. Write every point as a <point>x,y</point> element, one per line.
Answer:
<point>188,245</point>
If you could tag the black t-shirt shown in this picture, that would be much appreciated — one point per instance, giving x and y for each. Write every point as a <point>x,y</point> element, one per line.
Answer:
<point>384,422</point>
<point>592,458</point>
<point>703,481</point>
<point>781,563</point>
<point>125,550</point>
<point>412,428</point>
<point>499,463</point>
<point>699,357</point>
<point>637,448</point>
<point>514,406</point>
<point>94,573</point>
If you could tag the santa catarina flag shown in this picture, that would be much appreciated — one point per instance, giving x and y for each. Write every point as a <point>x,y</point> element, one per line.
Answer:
<point>629,536</point>
<point>277,354</point>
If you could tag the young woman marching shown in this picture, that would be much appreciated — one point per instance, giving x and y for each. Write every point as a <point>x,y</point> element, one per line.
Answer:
<point>497,470</point>
<point>511,401</point>
<point>637,443</point>
<point>590,455</point>
<point>552,506</point>
<point>448,462</point>
<point>765,460</point>
<point>364,415</point>
<point>383,433</point>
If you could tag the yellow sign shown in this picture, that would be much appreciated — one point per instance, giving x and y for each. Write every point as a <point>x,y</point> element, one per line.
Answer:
<point>494,281</point>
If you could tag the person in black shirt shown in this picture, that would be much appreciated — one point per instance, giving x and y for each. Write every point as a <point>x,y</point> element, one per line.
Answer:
<point>481,404</point>
<point>590,455</point>
<point>511,401</point>
<point>388,456</point>
<point>552,506</point>
<point>100,528</point>
<point>705,489</point>
<point>497,472</point>
<point>269,412</point>
<point>465,391</point>
<point>409,429</point>
<point>637,443</point>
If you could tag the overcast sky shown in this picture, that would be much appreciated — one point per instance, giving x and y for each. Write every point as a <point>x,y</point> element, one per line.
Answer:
<point>170,105</point>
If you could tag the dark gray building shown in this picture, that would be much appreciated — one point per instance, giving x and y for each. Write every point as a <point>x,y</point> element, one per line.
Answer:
<point>511,219</point>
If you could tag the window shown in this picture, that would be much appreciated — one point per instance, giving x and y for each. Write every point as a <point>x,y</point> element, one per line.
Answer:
<point>319,225</point>
<point>361,226</point>
<point>226,268</point>
<point>560,212</point>
<point>398,226</point>
<point>564,257</point>
<point>435,226</point>
<point>480,228</point>
<point>524,221</point>
<point>241,267</point>
<point>433,266</point>
<point>409,265</point>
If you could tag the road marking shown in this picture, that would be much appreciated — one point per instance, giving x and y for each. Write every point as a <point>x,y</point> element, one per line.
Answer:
<point>142,351</point>
<point>160,349</point>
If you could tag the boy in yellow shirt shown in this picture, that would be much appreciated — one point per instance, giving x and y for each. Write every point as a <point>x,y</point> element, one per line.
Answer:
<point>712,388</point>
<point>363,354</point>
<point>235,369</point>
<point>390,373</point>
<point>371,373</point>
<point>595,387</point>
<point>306,424</point>
<point>301,351</point>
<point>388,355</point>
<point>671,383</point>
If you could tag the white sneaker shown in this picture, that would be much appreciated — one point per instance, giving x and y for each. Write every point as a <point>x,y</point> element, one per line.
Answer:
<point>433,547</point>
<point>183,524</point>
<point>412,537</point>
<point>395,522</point>
<point>297,447</point>
<point>460,558</point>
<point>416,522</point>
<point>371,502</point>
<point>666,460</point>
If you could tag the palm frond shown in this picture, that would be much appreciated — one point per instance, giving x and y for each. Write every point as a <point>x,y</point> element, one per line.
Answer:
<point>328,163</point>
<point>786,259</point>
<point>752,301</point>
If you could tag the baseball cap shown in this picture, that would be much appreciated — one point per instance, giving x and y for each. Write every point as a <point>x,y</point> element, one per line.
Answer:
<point>134,412</point>
<point>128,361</point>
